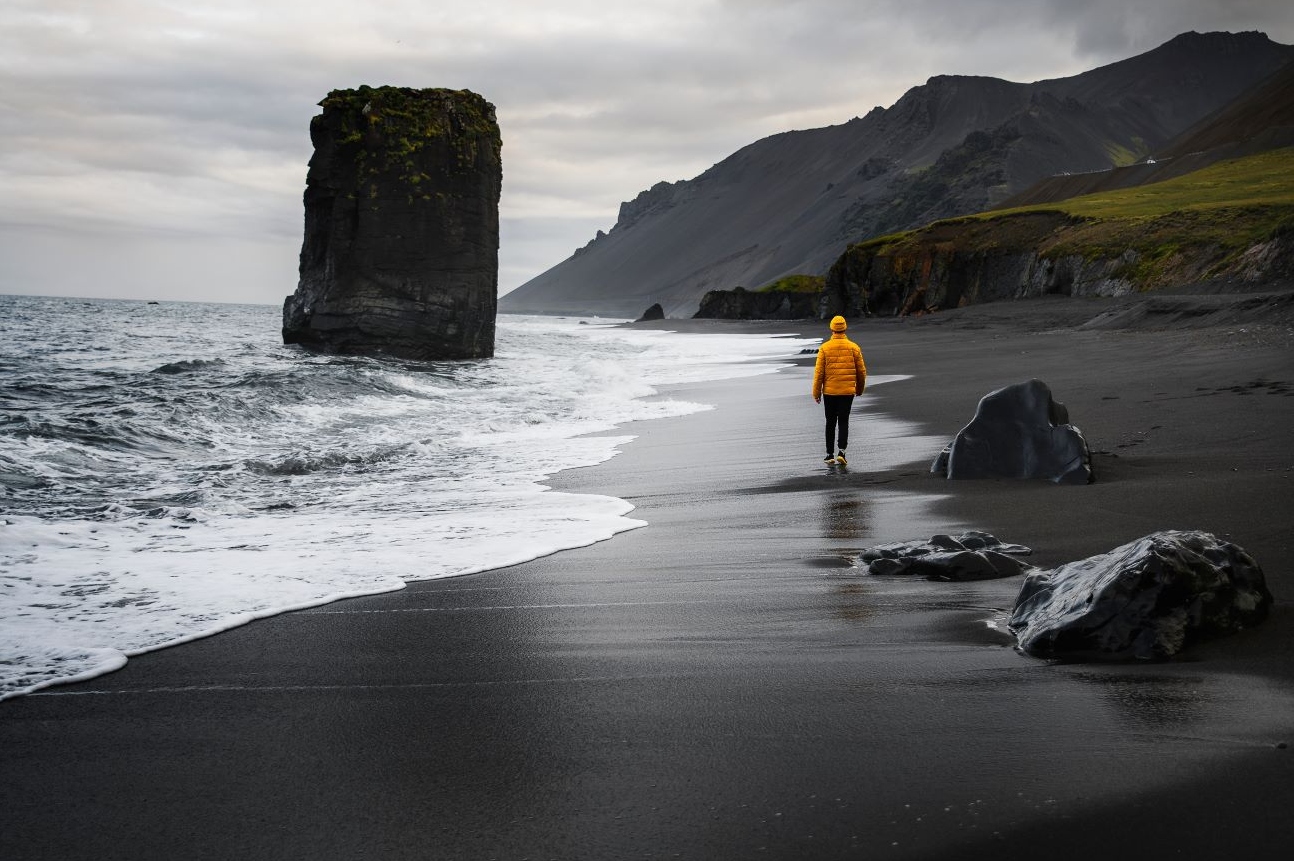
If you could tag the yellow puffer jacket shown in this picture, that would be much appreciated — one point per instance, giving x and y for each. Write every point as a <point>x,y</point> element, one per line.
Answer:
<point>839,369</point>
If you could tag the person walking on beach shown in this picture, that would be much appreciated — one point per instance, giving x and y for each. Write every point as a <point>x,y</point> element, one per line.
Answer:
<point>838,376</point>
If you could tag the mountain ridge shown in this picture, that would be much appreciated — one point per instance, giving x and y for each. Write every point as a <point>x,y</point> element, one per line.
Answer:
<point>1260,119</point>
<point>791,202</point>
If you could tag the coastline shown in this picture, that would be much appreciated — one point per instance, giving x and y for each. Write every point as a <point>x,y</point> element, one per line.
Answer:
<point>718,684</point>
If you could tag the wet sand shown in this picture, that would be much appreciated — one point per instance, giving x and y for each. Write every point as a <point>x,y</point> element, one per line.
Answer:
<point>721,684</point>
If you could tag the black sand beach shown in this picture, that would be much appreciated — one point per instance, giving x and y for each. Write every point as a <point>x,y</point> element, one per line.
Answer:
<point>721,684</point>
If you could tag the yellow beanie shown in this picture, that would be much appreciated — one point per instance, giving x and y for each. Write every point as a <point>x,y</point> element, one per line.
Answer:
<point>837,324</point>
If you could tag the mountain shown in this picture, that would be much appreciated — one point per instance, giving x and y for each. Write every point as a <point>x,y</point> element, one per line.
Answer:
<point>792,202</point>
<point>1259,120</point>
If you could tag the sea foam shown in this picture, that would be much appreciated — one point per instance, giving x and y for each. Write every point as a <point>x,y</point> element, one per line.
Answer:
<point>169,472</point>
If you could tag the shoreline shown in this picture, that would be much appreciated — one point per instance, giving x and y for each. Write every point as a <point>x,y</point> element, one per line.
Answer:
<point>719,684</point>
<point>136,610</point>
<point>1198,376</point>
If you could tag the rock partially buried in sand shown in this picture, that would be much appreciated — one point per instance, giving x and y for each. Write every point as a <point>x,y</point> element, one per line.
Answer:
<point>1018,432</point>
<point>1147,599</point>
<point>970,556</point>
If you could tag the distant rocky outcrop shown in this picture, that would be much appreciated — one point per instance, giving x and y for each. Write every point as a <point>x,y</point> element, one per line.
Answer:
<point>654,200</point>
<point>1147,599</point>
<point>742,304</point>
<point>1023,255</point>
<point>400,255</point>
<point>1018,431</point>
<point>970,556</point>
<point>791,203</point>
<point>655,312</point>
<point>955,262</point>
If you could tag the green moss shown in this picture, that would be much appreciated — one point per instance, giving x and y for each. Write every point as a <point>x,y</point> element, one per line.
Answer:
<point>796,284</point>
<point>878,244</point>
<point>388,126</point>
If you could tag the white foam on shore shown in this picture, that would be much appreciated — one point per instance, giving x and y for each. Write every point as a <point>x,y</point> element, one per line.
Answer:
<point>260,507</point>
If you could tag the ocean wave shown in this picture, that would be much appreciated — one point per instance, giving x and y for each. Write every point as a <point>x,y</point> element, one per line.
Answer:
<point>189,366</point>
<point>305,464</point>
<point>101,435</point>
<point>16,480</point>
<point>151,496</point>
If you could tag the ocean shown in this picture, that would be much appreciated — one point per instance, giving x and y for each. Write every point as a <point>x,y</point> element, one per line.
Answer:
<point>171,470</point>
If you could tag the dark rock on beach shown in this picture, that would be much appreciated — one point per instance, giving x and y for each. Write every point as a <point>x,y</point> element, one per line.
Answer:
<point>1147,599</point>
<point>400,255</point>
<point>1018,431</point>
<point>655,312</point>
<point>742,304</point>
<point>971,556</point>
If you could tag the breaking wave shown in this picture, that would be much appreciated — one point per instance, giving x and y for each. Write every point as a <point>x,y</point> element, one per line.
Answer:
<point>170,471</point>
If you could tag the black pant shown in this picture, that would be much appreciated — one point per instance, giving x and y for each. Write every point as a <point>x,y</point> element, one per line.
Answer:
<point>837,408</point>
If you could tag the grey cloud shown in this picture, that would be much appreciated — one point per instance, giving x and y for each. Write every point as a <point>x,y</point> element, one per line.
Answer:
<point>206,113</point>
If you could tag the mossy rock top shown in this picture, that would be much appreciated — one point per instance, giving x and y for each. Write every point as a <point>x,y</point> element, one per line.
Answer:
<point>396,122</point>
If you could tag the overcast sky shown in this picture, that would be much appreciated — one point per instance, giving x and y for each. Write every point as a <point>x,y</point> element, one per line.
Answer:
<point>157,149</point>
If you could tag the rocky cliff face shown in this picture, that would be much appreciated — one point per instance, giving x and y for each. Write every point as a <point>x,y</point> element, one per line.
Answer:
<point>962,262</point>
<point>949,266</point>
<point>400,255</point>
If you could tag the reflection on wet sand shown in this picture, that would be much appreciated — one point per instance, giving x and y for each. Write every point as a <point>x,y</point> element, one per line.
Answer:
<point>1159,701</point>
<point>845,517</point>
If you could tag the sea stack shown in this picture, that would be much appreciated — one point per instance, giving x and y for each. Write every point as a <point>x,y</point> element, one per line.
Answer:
<point>401,248</point>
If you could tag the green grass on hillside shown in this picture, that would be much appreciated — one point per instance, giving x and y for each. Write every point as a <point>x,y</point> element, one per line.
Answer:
<point>1122,156</point>
<point>796,284</point>
<point>1202,221</point>
<point>1216,214</point>
<point>1263,180</point>
<point>1231,205</point>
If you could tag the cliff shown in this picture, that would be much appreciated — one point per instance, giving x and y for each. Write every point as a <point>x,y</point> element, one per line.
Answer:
<point>957,144</point>
<point>956,263</point>
<point>1233,221</point>
<point>400,254</point>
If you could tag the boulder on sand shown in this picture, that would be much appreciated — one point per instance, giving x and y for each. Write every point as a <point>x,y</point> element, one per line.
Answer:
<point>1018,432</point>
<point>1146,599</point>
<point>655,312</point>
<point>970,556</point>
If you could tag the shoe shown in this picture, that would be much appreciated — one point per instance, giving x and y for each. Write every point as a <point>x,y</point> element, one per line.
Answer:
<point>828,460</point>
<point>840,457</point>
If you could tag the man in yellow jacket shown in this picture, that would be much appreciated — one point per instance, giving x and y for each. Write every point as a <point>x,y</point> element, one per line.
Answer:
<point>838,376</point>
